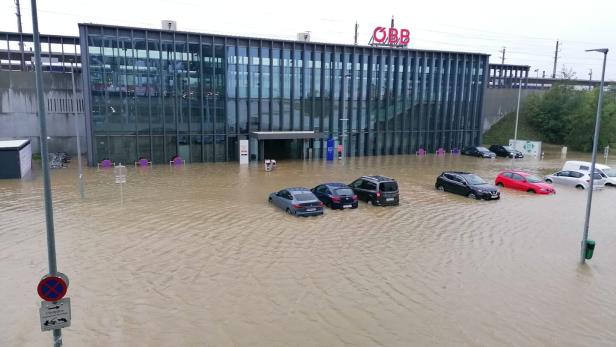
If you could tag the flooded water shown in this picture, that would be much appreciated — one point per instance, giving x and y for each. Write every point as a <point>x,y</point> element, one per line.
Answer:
<point>194,256</point>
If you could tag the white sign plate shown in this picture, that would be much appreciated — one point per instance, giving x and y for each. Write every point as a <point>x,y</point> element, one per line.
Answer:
<point>55,315</point>
<point>527,147</point>
<point>243,151</point>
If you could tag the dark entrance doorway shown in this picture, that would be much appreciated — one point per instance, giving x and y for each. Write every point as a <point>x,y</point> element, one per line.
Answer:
<point>280,145</point>
<point>282,149</point>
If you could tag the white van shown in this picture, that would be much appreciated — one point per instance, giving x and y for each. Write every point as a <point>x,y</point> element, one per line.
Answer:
<point>605,171</point>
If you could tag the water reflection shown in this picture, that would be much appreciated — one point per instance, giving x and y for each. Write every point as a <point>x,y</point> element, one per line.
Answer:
<point>195,256</point>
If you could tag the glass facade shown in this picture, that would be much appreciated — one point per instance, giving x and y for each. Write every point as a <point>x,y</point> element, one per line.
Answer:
<point>156,94</point>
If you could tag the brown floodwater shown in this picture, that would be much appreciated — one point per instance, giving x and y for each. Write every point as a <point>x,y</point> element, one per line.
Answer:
<point>194,256</point>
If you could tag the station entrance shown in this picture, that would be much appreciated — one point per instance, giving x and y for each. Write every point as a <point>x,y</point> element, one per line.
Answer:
<point>281,145</point>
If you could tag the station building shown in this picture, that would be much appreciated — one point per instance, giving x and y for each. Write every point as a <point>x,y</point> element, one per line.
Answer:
<point>158,93</point>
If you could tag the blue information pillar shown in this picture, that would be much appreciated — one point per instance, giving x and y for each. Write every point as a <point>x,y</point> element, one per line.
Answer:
<point>330,148</point>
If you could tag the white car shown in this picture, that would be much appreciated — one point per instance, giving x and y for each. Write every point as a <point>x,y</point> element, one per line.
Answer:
<point>605,171</point>
<point>576,178</point>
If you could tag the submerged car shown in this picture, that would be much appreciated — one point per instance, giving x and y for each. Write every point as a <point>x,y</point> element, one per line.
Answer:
<point>605,171</point>
<point>480,152</point>
<point>506,151</point>
<point>336,195</point>
<point>577,179</point>
<point>466,184</point>
<point>525,181</point>
<point>297,201</point>
<point>377,190</point>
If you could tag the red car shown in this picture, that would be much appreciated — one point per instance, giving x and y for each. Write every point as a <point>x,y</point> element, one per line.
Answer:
<point>523,181</point>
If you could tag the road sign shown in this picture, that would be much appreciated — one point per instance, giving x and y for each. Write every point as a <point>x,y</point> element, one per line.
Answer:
<point>52,288</point>
<point>55,315</point>
<point>120,173</point>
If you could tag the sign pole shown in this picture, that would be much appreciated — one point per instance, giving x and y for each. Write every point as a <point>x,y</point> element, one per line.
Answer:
<point>81,190</point>
<point>51,241</point>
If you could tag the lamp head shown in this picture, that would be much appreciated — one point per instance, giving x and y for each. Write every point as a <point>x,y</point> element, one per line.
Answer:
<point>602,50</point>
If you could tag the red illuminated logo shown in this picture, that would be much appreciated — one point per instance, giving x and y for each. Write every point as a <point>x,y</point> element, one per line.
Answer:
<point>382,36</point>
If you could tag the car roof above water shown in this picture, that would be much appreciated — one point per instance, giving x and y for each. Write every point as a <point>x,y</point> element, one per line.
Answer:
<point>335,185</point>
<point>379,178</point>
<point>298,190</point>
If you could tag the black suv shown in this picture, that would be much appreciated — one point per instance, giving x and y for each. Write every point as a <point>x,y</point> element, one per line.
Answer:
<point>480,152</point>
<point>378,190</point>
<point>466,184</point>
<point>506,151</point>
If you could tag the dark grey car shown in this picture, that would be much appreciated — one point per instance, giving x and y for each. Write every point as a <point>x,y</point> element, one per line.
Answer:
<point>297,201</point>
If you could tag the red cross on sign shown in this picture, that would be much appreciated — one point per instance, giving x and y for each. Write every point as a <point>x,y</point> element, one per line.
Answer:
<point>52,288</point>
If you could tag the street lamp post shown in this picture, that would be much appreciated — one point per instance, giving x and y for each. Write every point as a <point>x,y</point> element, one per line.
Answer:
<point>517,116</point>
<point>594,155</point>
<point>81,188</point>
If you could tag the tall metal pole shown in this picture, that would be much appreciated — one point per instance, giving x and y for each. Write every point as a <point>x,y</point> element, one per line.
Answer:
<point>51,241</point>
<point>517,116</point>
<point>594,156</point>
<point>75,113</point>
<point>555,60</point>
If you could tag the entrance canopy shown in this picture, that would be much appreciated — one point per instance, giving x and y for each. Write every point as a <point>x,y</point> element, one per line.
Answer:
<point>285,135</point>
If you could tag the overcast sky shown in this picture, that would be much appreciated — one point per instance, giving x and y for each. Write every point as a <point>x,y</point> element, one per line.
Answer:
<point>527,28</point>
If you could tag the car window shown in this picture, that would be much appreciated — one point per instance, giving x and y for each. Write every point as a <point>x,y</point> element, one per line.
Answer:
<point>281,193</point>
<point>517,177</point>
<point>357,183</point>
<point>474,179</point>
<point>597,176</point>
<point>507,174</point>
<point>388,186</point>
<point>562,174</point>
<point>584,168</point>
<point>304,197</point>
<point>483,149</point>
<point>322,189</point>
<point>610,172</point>
<point>344,191</point>
<point>448,176</point>
<point>457,179</point>
<point>533,179</point>
<point>368,185</point>
<point>577,174</point>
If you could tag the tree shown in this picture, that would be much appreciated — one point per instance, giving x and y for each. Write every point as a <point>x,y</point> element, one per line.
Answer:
<point>549,112</point>
<point>582,121</point>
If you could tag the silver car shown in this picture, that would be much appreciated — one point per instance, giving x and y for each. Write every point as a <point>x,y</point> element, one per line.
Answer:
<point>297,201</point>
<point>577,179</point>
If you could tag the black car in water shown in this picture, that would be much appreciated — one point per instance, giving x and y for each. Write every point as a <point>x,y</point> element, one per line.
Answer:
<point>480,152</point>
<point>377,190</point>
<point>336,195</point>
<point>466,184</point>
<point>506,151</point>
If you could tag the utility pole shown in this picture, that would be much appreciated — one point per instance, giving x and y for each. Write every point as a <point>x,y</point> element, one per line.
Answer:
<point>590,80</point>
<point>500,70</point>
<point>503,55</point>
<point>356,31</point>
<point>51,239</point>
<point>555,60</point>
<point>19,29</point>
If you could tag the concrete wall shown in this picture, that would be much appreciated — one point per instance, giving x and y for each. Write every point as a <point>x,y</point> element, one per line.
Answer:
<point>500,101</point>
<point>18,109</point>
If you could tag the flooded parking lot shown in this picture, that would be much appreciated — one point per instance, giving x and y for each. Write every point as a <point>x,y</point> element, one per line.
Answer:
<point>194,256</point>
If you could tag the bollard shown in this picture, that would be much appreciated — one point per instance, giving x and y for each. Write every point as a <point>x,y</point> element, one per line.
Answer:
<point>590,249</point>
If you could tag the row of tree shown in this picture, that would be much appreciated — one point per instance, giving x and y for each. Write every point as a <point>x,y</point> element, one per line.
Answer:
<point>566,116</point>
